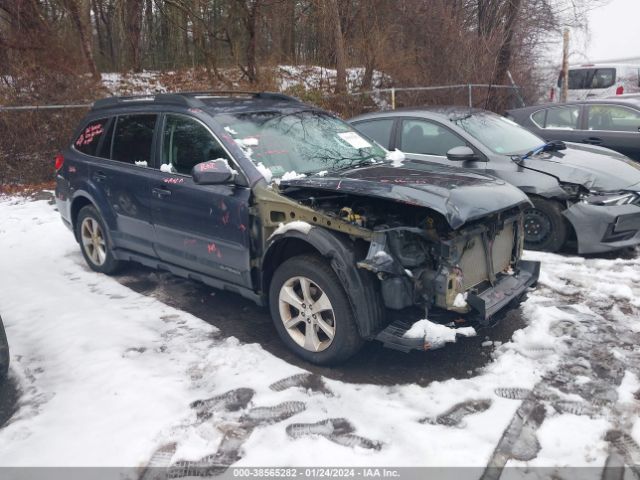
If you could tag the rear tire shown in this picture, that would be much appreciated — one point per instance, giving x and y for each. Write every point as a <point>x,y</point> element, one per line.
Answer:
<point>94,242</point>
<point>311,311</point>
<point>544,226</point>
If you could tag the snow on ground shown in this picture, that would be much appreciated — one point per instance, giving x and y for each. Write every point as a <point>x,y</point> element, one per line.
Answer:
<point>287,77</point>
<point>109,375</point>
<point>313,77</point>
<point>143,83</point>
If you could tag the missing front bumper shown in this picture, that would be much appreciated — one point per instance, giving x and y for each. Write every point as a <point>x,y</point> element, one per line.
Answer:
<point>507,289</point>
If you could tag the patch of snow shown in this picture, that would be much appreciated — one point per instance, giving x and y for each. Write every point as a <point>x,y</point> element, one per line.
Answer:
<point>570,441</point>
<point>167,168</point>
<point>382,256</point>
<point>264,171</point>
<point>141,163</point>
<point>461,300</point>
<point>312,77</point>
<point>292,175</point>
<point>397,157</point>
<point>143,83</point>
<point>248,142</point>
<point>629,386</point>
<point>298,225</point>
<point>436,334</point>
<point>230,130</point>
<point>322,173</point>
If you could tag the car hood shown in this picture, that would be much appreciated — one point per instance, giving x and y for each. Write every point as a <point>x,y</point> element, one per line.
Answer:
<point>460,196</point>
<point>593,167</point>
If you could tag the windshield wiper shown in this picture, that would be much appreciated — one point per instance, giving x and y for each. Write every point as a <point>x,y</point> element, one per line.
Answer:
<point>356,163</point>
<point>552,146</point>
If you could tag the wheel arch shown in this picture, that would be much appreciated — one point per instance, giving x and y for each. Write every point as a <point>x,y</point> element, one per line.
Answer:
<point>341,253</point>
<point>78,203</point>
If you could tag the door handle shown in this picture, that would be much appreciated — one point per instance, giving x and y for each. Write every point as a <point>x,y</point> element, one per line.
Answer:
<point>161,192</point>
<point>592,141</point>
<point>99,176</point>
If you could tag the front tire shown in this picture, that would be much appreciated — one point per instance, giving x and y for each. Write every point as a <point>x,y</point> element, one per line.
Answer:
<point>544,226</point>
<point>311,311</point>
<point>94,243</point>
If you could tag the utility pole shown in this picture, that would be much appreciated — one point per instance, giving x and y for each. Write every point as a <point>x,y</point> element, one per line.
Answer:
<point>565,66</point>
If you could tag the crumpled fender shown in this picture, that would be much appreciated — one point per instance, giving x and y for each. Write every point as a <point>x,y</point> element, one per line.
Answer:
<point>563,172</point>
<point>360,286</point>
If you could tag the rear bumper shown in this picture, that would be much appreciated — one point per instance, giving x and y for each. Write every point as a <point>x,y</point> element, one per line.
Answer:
<point>602,229</point>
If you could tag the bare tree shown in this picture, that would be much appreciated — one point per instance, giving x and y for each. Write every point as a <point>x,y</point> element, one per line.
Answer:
<point>132,21</point>
<point>80,13</point>
<point>333,15</point>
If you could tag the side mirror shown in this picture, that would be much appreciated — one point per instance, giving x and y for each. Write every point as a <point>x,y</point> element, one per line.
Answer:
<point>554,146</point>
<point>461,154</point>
<point>213,172</point>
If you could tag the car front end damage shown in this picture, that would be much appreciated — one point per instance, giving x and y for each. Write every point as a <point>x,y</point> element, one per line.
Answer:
<point>476,270</point>
<point>418,260</point>
<point>605,221</point>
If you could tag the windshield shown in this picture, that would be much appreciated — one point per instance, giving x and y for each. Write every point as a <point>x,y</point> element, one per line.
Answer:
<point>304,142</point>
<point>499,134</point>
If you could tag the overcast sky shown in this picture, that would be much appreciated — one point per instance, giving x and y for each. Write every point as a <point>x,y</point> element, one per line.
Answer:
<point>614,32</point>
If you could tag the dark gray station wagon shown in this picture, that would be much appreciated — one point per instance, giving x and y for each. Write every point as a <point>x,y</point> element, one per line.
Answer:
<point>290,207</point>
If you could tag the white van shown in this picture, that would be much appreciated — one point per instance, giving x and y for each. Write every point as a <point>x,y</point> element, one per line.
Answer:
<point>599,81</point>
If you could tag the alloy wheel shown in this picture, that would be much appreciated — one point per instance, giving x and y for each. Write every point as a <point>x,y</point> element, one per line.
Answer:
<point>93,241</point>
<point>307,314</point>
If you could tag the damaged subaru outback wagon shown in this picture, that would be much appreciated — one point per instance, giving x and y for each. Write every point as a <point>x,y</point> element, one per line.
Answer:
<point>286,205</point>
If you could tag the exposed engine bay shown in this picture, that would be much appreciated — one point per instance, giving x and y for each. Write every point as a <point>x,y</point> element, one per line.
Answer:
<point>420,260</point>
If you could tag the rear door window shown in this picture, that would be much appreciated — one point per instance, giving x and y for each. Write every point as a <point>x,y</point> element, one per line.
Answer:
<point>378,130</point>
<point>133,139</point>
<point>613,118</point>
<point>90,137</point>
<point>538,118</point>
<point>563,118</point>
<point>427,138</point>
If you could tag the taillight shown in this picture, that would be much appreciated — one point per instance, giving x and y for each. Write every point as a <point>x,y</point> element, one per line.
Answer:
<point>620,90</point>
<point>59,161</point>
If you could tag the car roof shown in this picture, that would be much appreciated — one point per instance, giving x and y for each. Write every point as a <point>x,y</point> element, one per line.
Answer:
<point>631,101</point>
<point>602,65</point>
<point>445,112</point>
<point>216,102</point>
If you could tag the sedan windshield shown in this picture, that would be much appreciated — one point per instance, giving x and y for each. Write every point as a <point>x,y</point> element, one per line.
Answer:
<point>304,142</point>
<point>499,134</point>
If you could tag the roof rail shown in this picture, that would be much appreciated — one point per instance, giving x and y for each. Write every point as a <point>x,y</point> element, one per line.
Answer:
<point>185,99</point>
<point>230,93</point>
<point>170,98</point>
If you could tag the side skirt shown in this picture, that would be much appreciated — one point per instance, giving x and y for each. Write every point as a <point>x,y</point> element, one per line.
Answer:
<point>126,255</point>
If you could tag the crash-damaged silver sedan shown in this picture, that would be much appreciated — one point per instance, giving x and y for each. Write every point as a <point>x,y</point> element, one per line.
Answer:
<point>582,192</point>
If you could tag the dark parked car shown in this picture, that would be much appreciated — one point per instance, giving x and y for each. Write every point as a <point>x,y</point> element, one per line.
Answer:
<point>580,190</point>
<point>4,353</point>
<point>181,182</point>
<point>613,123</point>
